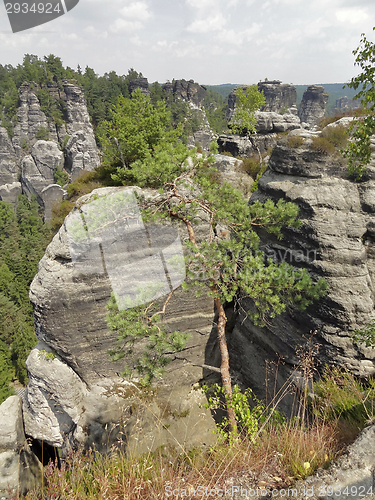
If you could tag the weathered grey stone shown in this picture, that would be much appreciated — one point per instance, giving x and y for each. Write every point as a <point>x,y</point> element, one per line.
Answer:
<point>313,105</point>
<point>31,118</point>
<point>232,170</point>
<point>38,169</point>
<point>279,97</point>
<point>20,470</point>
<point>246,146</point>
<point>351,476</point>
<point>335,242</point>
<point>10,192</point>
<point>271,122</point>
<point>188,91</point>
<point>139,83</point>
<point>51,195</point>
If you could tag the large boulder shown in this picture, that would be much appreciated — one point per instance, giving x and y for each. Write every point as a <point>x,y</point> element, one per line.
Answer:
<point>10,192</point>
<point>75,395</point>
<point>39,167</point>
<point>243,145</point>
<point>20,470</point>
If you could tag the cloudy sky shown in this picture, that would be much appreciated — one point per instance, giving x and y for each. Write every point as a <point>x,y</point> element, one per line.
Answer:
<point>210,41</point>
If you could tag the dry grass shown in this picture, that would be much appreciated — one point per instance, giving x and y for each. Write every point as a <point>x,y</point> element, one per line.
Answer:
<point>326,419</point>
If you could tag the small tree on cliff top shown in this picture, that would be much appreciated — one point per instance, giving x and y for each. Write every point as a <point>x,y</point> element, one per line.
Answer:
<point>227,263</point>
<point>248,101</point>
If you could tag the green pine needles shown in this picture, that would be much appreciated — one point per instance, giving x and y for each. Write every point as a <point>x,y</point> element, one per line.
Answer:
<point>143,340</point>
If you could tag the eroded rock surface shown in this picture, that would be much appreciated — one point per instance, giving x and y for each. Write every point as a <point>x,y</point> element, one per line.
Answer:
<point>313,105</point>
<point>38,145</point>
<point>335,242</point>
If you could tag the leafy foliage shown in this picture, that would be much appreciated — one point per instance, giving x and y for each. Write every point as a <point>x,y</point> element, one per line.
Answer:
<point>358,151</point>
<point>248,101</point>
<point>231,266</point>
<point>250,412</point>
<point>137,127</point>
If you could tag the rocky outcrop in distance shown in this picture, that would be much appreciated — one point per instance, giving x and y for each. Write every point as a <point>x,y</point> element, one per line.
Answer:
<point>313,105</point>
<point>30,158</point>
<point>280,97</point>
<point>187,91</point>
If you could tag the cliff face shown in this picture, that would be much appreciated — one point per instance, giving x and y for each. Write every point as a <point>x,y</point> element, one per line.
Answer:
<point>313,105</point>
<point>336,242</point>
<point>29,160</point>
<point>279,97</point>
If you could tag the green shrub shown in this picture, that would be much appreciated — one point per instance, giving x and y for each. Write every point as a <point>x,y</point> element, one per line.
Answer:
<point>322,145</point>
<point>339,395</point>
<point>59,211</point>
<point>251,165</point>
<point>42,134</point>
<point>295,141</point>
<point>24,145</point>
<point>337,135</point>
<point>61,177</point>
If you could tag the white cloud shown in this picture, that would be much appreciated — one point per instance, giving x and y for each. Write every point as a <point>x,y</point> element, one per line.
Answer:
<point>353,16</point>
<point>215,23</point>
<point>202,4</point>
<point>237,37</point>
<point>137,11</point>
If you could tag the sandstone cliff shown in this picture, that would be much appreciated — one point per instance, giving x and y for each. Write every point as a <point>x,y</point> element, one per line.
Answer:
<point>313,105</point>
<point>40,145</point>
<point>336,242</point>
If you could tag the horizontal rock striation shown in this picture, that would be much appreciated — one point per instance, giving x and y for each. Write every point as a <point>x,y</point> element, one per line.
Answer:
<point>335,242</point>
<point>313,105</point>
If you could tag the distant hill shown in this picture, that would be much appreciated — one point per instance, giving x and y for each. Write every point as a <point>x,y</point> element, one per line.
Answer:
<point>335,91</point>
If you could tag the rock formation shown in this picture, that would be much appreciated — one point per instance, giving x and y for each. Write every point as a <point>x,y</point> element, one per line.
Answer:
<point>33,162</point>
<point>335,242</point>
<point>139,83</point>
<point>313,105</point>
<point>279,98</point>
<point>269,120</point>
<point>20,470</point>
<point>243,145</point>
<point>194,94</point>
<point>74,389</point>
<point>187,91</point>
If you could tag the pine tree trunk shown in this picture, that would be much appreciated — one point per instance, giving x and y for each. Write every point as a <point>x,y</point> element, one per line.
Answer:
<point>225,376</point>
